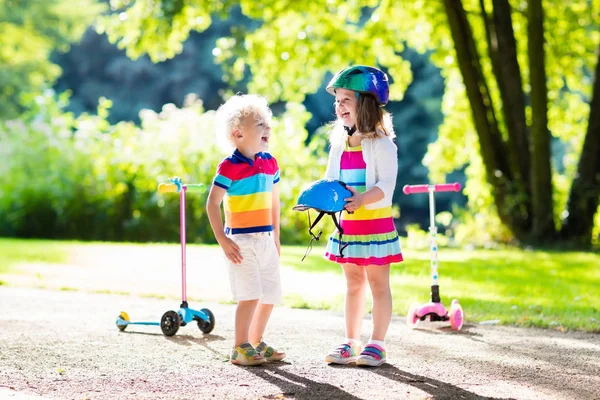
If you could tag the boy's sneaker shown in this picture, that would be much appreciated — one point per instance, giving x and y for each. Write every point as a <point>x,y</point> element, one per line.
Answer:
<point>345,353</point>
<point>371,356</point>
<point>269,353</point>
<point>245,354</point>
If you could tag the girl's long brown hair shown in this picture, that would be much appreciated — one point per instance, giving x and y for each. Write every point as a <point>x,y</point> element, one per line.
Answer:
<point>369,117</point>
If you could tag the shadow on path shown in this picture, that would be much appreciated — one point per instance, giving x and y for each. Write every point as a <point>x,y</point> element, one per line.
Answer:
<point>298,387</point>
<point>438,389</point>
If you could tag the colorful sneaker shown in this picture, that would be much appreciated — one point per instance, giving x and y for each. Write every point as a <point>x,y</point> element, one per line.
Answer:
<point>269,353</point>
<point>371,356</point>
<point>245,354</point>
<point>345,353</point>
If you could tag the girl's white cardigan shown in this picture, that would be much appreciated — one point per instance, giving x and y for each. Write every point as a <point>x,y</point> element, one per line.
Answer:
<point>380,155</point>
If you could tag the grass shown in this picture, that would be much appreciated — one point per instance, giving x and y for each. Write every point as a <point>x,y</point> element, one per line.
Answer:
<point>15,251</point>
<point>557,290</point>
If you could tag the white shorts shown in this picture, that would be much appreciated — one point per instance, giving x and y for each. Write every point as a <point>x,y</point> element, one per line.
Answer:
<point>257,277</point>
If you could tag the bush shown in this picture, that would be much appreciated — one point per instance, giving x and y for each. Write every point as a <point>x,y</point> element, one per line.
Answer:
<point>81,178</point>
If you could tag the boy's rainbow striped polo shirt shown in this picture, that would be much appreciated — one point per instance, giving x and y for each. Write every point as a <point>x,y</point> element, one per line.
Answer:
<point>249,198</point>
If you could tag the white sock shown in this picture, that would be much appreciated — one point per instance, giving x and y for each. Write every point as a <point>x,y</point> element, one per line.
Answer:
<point>380,343</point>
<point>353,341</point>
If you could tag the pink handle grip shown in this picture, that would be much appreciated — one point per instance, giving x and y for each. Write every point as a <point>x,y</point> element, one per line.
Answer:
<point>444,187</point>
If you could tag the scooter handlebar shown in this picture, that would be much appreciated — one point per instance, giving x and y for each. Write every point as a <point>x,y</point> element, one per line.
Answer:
<point>172,187</point>
<point>443,187</point>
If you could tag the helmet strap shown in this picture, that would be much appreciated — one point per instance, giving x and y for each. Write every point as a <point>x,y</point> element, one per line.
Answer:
<point>350,131</point>
<point>340,234</point>
<point>314,237</point>
<point>312,225</point>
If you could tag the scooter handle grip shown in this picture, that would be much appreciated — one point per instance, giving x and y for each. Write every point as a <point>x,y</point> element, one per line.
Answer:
<point>443,187</point>
<point>167,188</point>
<point>196,187</point>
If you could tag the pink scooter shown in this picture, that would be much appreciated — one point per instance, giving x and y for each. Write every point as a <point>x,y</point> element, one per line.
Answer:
<point>434,309</point>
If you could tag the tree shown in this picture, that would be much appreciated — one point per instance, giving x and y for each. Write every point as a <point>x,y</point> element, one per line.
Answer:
<point>29,32</point>
<point>518,84</point>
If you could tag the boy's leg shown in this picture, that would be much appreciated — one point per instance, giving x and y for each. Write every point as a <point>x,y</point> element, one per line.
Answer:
<point>356,280</point>
<point>270,283</point>
<point>259,322</point>
<point>243,353</point>
<point>243,318</point>
<point>379,281</point>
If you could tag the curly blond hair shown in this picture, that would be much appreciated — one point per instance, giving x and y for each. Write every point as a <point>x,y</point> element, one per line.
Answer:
<point>231,115</point>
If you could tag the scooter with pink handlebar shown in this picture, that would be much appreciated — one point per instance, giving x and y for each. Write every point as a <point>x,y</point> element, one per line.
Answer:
<point>434,309</point>
<point>172,320</point>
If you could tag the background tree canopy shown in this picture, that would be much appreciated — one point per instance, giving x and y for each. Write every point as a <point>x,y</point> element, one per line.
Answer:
<point>29,32</point>
<point>511,80</point>
<point>518,77</point>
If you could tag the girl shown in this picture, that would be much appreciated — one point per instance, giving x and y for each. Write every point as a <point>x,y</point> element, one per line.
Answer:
<point>364,156</point>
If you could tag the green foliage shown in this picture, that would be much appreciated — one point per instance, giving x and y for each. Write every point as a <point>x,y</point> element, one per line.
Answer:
<point>569,70</point>
<point>156,28</point>
<point>29,33</point>
<point>83,178</point>
<point>297,44</point>
<point>94,68</point>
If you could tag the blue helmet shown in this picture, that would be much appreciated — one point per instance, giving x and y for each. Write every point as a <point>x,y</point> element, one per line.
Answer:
<point>325,195</point>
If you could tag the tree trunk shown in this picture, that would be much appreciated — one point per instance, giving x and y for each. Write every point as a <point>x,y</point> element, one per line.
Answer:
<point>502,50</point>
<point>585,190</point>
<point>544,229</point>
<point>493,149</point>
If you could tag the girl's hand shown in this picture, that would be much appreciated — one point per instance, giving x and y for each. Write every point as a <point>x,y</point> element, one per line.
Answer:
<point>232,251</point>
<point>355,202</point>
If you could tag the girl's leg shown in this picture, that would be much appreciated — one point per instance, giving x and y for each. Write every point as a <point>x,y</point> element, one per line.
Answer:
<point>379,281</point>
<point>243,317</point>
<point>356,280</point>
<point>259,322</point>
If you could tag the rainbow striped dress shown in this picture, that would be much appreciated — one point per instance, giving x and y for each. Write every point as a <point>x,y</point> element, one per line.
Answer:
<point>371,235</point>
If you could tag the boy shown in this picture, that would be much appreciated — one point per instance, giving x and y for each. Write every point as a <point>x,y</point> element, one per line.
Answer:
<point>246,183</point>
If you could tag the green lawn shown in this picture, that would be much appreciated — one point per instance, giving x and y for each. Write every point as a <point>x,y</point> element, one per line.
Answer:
<point>14,251</point>
<point>557,290</point>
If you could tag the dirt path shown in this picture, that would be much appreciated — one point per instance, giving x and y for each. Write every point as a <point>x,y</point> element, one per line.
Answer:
<point>155,270</point>
<point>65,345</point>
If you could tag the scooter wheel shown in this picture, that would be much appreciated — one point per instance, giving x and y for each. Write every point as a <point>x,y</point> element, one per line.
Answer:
<point>169,323</point>
<point>457,316</point>
<point>411,317</point>
<point>123,317</point>
<point>206,326</point>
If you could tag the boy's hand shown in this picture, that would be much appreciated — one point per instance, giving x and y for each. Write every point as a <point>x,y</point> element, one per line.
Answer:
<point>278,245</point>
<point>232,250</point>
<point>354,202</point>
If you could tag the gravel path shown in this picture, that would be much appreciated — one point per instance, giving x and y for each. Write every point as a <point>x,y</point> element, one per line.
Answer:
<point>64,344</point>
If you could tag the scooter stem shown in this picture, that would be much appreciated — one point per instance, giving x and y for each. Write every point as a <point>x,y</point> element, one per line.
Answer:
<point>183,240</point>
<point>435,290</point>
